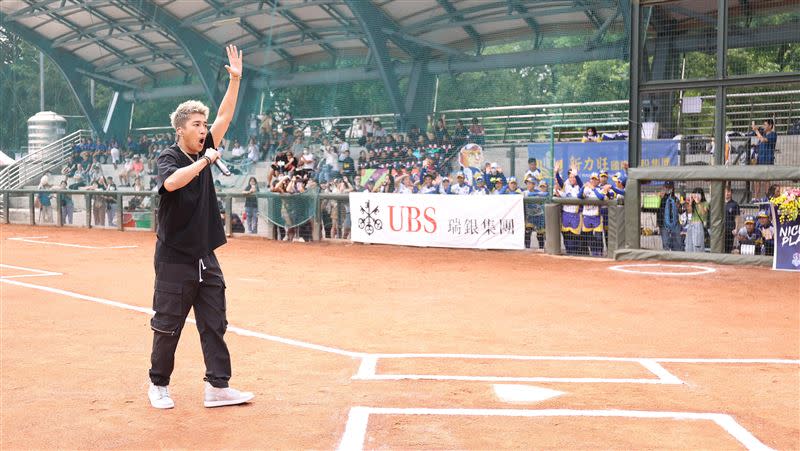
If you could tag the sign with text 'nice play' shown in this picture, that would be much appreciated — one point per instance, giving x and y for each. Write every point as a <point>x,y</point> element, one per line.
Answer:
<point>480,222</point>
<point>787,244</point>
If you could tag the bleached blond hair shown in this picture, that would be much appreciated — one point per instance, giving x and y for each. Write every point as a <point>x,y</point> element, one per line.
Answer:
<point>181,114</point>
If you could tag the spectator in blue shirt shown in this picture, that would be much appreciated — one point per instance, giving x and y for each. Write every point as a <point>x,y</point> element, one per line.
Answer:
<point>511,188</point>
<point>767,137</point>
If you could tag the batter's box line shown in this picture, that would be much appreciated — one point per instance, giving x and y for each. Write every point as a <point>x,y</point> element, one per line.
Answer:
<point>36,272</point>
<point>358,419</point>
<point>38,240</point>
<point>368,371</point>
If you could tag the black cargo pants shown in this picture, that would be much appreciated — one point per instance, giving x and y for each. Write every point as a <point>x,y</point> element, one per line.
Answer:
<point>178,288</point>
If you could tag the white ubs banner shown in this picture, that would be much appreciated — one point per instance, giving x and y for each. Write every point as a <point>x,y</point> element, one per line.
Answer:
<point>480,222</point>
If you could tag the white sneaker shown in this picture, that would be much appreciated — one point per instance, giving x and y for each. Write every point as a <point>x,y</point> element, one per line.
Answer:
<point>159,397</point>
<point>218,397</point>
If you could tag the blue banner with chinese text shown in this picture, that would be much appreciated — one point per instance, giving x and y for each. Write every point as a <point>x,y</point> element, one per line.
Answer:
<point>604,156</point>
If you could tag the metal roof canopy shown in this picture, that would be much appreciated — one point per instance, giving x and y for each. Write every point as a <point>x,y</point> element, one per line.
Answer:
<point>143,45</point>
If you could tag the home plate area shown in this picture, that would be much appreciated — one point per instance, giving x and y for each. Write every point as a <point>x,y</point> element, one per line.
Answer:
<point>516,423</point>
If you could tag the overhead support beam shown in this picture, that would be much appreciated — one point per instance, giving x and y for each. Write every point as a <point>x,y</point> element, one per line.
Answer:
<point>693,14</point>
<point>449,51</point>
<point>597,38</point>
<point>294,20</point>
<point>194,44</point>
<point>469,29</point>
<point>118,118</point>
<point>105,78</point>
<point>514,5</point>
<point>213,14</point>
<point>483,63</point>
<point>91,31</point>
<point>69,65</point>
<point>419,97</point>
<point>376,19</point>
<point>370,20</point>
<point>589,11</point>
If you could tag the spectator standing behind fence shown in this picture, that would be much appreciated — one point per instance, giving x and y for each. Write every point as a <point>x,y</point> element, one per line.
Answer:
<point>251,205</point>
<point>534,212</point>
<point>570,214</point>
<point>767,138</point>
<point>592,219</point>
<point>591,136</point>
<point>697,208</point>
<point>98,202</point>
<point>43,198</point>
<point>533,171</point>
<point>67,204</point>
<point>732,213</point>
<point>668,216</point>
<point>477,133</point>
<point>111,202</point>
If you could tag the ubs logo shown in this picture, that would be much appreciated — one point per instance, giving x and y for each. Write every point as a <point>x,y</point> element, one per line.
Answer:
<point>369,222</point>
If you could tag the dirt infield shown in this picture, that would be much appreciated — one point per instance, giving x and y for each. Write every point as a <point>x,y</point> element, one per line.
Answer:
<point>391,347</point>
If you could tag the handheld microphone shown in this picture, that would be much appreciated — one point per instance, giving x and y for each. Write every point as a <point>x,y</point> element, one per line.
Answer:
<point>222,166</point>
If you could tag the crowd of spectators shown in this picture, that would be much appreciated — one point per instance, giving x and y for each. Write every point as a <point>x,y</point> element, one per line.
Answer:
<point>683,222</point>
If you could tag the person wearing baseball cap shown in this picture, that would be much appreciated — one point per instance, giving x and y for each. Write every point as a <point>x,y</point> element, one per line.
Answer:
<point>511,188</point>
<point>748,234</point>
<point>534,211</point>
<point>592,220</point>
<point>461,187</point>
<point>767,232</point>
<point>444,188</point>
<point>480,187</point>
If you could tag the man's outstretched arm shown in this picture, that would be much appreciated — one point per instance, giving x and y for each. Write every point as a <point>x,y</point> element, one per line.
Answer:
<point>228,105</point>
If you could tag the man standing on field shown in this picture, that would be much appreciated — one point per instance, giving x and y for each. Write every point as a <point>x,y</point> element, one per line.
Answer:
<point>189,229</point>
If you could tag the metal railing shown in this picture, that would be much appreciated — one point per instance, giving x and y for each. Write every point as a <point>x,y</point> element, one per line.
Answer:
<point>149,213</point>
<point>39,162</point>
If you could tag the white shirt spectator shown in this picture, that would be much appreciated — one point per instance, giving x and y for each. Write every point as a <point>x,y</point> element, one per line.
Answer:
<point>252,152</point>
<point>114,155</point>
<point>458,188</point>
<point>343,146</point>
<point>308,160</point>
<point>237,151</point>
<point>331,159</point>
<point>534,175</point>
<point>379,132</point>
<point>428,189</point>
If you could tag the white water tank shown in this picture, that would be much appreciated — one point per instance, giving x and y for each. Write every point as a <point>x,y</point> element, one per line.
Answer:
<point>45,127</point>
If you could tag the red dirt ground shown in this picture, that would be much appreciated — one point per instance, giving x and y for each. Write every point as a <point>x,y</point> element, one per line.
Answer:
<point>74,373</point>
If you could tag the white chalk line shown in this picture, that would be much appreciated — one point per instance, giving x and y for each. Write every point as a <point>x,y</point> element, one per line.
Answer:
<point>584,358</point>
<point>232,329</point>
<point>36,240</point>
<point>373,357</point>
<point>358,420</point>
<point>367,371</point>
<point>36,272</point>
<point>627,269</point>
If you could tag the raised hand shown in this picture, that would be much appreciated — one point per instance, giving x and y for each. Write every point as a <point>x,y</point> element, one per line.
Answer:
<point>234,66</point>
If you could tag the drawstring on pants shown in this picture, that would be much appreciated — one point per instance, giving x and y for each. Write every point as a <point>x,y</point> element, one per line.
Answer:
<point>200,267</point>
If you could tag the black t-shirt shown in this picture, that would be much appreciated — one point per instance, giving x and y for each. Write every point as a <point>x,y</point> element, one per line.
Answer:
<point>189,223</point>
<point>731,212</point>
<point>348,166</point>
